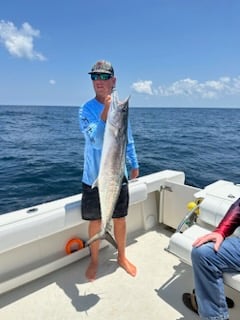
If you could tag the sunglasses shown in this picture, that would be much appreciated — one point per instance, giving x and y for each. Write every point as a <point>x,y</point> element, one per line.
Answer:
<point>100,76</point>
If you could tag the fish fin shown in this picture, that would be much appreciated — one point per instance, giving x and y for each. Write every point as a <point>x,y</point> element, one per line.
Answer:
<point>127,99</point>
<point>95,183</point>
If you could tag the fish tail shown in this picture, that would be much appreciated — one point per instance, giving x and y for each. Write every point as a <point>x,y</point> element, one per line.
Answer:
<point>97,236</point>
<point>102,236</point>
<point>110,239</point>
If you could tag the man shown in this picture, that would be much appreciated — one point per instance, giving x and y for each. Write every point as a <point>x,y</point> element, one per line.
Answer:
<point>92,117</point>
<point>212,255</point>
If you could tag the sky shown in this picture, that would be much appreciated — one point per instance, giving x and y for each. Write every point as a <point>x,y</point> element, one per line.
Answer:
<point>165,53</point>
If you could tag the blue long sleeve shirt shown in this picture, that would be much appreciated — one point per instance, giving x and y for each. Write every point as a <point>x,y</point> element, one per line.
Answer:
<point>93,129</point>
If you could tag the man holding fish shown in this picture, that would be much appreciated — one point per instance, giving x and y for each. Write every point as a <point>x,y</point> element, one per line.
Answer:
<point>108,142</point>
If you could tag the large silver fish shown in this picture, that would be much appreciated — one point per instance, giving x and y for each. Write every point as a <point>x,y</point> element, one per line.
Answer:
<point>112,165</point>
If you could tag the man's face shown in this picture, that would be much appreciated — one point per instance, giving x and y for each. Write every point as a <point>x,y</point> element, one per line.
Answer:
<point>103,84</point>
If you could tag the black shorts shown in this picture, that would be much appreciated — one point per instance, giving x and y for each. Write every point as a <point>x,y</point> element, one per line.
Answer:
<point>90,204</point>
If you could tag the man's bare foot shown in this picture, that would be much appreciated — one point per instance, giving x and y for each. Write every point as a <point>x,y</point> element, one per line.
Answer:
<point>91,271</point>
<point>127,266</point>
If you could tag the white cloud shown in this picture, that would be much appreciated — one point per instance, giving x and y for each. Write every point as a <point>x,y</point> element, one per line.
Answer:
<point>143,87</point>
<point>52,82</point>
<point>210,89</point>
<point>181,87</point>
<point>236,85</point>
<point>19,42</point>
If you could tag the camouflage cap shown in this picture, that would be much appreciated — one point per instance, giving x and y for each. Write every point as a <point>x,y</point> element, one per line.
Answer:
<point>102,67</point>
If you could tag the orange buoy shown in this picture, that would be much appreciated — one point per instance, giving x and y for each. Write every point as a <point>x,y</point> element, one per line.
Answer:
<point>73,245</point>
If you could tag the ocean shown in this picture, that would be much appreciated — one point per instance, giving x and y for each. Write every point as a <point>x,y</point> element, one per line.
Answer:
<point>41,149</point>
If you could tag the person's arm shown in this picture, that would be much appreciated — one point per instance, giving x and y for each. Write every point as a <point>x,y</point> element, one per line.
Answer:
<point>225,228</point>
<point>132,155</point>
<point>92,128</point>
<point>230,221</point>
<point>107,104</point>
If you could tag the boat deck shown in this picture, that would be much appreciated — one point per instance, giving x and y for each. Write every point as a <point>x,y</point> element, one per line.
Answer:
<point>155,293</point>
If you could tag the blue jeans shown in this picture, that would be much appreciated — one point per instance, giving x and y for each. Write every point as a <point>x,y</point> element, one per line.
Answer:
<point>208,268</point>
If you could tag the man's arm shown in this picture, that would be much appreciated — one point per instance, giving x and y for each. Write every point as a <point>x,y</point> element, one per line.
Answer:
<point>230,221</point>
<point>226,227</point>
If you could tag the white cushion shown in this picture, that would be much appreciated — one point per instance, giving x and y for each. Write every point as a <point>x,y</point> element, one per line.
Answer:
<point>180,244</point>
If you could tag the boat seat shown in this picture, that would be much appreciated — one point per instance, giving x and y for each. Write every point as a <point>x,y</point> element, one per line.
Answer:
<point>217,199</point>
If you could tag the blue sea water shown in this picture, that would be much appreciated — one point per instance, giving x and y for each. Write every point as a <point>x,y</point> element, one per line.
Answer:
<point>41,149</point>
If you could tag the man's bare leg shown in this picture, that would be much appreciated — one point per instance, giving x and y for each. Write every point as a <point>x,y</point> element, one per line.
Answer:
<point>93,228</point>
<point>120,237</point>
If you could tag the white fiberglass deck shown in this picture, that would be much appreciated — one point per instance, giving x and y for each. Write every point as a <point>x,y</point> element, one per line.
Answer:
<point>155,293</point>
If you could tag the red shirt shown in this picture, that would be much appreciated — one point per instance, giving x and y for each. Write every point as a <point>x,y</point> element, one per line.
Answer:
<point>230,221</point>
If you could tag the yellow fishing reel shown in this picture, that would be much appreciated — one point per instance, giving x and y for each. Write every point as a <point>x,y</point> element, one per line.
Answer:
<point>191,216</point>
<point>194,204</point>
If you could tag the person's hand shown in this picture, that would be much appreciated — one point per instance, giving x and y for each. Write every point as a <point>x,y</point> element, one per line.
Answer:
<point>210,237</point>
<point>134,173</point>
<point>107,103</point>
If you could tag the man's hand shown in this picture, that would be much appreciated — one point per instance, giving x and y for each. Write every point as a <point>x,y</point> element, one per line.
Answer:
<point>134,173</point>
<point>107,103</point>
<point>210,237</point>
